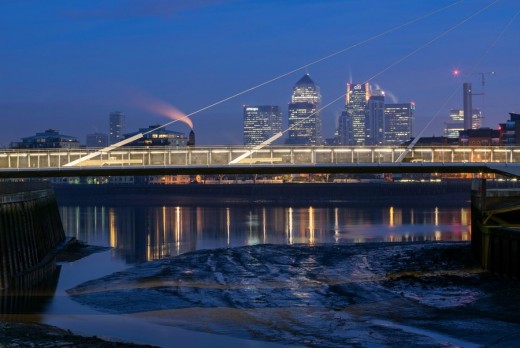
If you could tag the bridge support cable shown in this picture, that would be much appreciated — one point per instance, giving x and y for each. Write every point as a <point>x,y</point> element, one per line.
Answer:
<point>278,77</point>
<point>485,53</point>
<point>397,62</point>
<point>104,150</point>
<point>256,148</point>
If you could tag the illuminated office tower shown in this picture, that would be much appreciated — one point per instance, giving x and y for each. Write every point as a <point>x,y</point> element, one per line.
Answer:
<point>456,122</point>
<point>116,127</point>
<point>399,120</point>
<point>352,122</point>
<point>304,115</point>
<point>261,123</point>
<point>375,119</point>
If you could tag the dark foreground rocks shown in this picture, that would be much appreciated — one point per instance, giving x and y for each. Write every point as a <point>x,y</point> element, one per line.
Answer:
<point>37,335</point>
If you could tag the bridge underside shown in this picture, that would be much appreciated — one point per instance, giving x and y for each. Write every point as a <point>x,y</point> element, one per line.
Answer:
<point>507,170</point>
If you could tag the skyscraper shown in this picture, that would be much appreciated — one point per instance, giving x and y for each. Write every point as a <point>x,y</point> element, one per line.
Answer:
<point>116,126</point>
<point>352,122</point>
<point>304,116</point>
<point>260,123</point>
<point>399,120</point>
<point>375,120</point>
<point>467,96</point>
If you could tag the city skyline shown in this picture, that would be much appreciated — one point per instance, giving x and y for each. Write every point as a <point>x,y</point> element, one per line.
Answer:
<point>70,64</point>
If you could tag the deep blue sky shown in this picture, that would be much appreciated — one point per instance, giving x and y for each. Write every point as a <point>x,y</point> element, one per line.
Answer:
<point>65,64</point>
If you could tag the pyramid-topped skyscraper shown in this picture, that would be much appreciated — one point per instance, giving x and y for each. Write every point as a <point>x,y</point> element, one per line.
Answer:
<point>304,115</point>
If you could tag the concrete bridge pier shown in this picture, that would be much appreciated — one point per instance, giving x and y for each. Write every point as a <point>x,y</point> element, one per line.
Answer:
<point>495,228</point>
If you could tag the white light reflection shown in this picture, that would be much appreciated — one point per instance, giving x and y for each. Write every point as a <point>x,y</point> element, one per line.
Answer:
<point>95,221</point>
<point>264,223</point>
<point>311,226</point>
<point>228,224</point>
<point>336,225</point>
<point>178,228</point>
<point>250,223</point>
<point>77,222</point>
<point>436,216</point>
<point>164,244</point>
<point>290,229</point>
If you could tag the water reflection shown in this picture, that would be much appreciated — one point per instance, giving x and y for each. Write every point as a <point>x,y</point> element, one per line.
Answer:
<point>18,303</point>
<point>140,233</point>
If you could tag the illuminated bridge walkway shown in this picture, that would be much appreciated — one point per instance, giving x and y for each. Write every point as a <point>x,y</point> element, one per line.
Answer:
<point>273,159</point>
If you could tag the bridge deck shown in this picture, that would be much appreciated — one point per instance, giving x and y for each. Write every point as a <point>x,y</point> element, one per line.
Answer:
<point>274,159</point>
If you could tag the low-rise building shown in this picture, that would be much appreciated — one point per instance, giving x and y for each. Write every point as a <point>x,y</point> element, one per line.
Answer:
<point>156,135</point>
<point>49,139</point>
<point>97,140</point>
<point>511,130</point>
<point>480,137</point>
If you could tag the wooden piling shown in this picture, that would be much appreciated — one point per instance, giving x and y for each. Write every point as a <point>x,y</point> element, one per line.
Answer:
<point>495,229</point>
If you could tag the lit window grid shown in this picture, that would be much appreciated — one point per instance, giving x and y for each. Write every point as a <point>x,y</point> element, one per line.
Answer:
<point>261,123</point>
<point>399,120</point>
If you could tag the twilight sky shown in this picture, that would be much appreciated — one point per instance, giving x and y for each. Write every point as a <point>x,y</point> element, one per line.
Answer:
<point>65,64</point>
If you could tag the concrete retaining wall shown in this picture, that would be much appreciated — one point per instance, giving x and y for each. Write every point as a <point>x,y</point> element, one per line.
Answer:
<point>30,230</point>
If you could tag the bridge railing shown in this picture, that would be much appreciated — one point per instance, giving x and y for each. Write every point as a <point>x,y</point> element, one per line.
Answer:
<point>273,155</point>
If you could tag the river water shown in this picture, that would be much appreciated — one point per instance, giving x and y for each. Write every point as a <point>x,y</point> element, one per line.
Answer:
<point>136,233</point>
<point>139,233</point>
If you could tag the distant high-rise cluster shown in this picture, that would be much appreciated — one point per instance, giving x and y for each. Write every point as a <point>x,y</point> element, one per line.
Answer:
<point>261,123</point>
<point>304,113</point>
<point>456,123</point>
<point>465,118</point>
<point>367,120</point>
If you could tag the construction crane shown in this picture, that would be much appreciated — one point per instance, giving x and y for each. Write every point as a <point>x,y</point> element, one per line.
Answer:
<point>483,83</point>
<point>482,78</point>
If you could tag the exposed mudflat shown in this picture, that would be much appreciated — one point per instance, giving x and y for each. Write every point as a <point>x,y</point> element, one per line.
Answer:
<point>406,294</point>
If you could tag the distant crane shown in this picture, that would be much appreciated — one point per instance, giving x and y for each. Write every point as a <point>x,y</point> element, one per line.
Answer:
<point>482,78</point>
<point>483,84</point>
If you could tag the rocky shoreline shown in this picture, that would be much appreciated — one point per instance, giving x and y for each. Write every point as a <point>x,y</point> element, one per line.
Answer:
<point>39,335</point>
